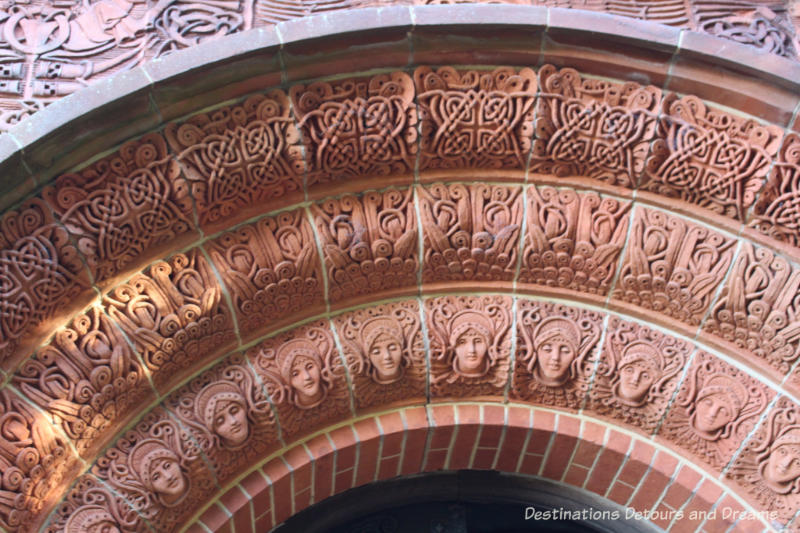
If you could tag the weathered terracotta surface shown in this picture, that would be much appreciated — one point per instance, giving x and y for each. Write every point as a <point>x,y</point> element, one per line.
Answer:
<point>776,212</point>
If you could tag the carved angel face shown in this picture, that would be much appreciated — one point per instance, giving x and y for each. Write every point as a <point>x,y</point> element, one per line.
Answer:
<point>386,356</point>
<point>713,412</point>
<point>167,479</point>
<point>230,423</point>
<point>306,380</point>
<point>782,466</point>
<point>635,381</point>
<point>554,357</point>
<point>471,348</point>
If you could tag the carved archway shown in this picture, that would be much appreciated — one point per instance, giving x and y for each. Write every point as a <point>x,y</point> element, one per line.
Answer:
<point>514,211</point>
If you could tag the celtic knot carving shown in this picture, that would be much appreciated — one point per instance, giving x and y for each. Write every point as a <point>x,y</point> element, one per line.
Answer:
<point>41,275</point>
<point>556,353</point>
<point>760,28</point>
<point>370,242</point>
<point>304,376</point>
<point>777,212</point>
<point>271,268</point>
<point>87,379</point>
<point>573,240</point>
<point>475,119</point>
<point>384,351</point>
<point>593,128</point>
<point>716,408</point>
<point>357,128</point>
<point>240,156</point>
<point>173,314</point>
<point>90,507</point>
<point>470,342</point>
<point>637,374</point>
<point>124,205</point>
<point>470,231</point>
<point>710,158</point>
<point>673,267</point>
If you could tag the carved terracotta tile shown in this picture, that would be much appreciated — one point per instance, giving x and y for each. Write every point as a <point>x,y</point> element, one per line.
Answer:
<point>672,266</point>
<point>573,240</point>
<point>369,242</point>
<point>710,158</point>
<point>125,207</point>
<point>357,127</point>
<point>777,212</point>
<point>384,350</point>
<point>638,372</point>
<point>88,379</point>
<point>229,415</point>
<point>470,344</point>
<point>303,373</point>
<point>471,232</point>
<point>160,469</point>
<point>716,409</point>
<point>175,315</point>
<point>556,353</point>
<point>91,507</point>
<point>593,128</point>
<point>758,308</point>
<point>768,469</point>
<point>475,119</point>
<point>36,462</point>
<point>41,278</point>
<point>271,269</point>
<point>240,158</point>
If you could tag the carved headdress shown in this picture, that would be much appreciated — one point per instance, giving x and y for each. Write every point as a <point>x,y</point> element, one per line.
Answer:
<point>285,358</point>
<point>734,392</point>
<point>556,328</point>
<point>466,320</point>
<point>143,457</point>
<point>86,518</point>
<point>374,328</point>
<point>788,436</point>
<point>213,397</point>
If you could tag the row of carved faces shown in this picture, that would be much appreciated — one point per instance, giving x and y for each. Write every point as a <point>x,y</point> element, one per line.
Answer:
<point>302,377</point>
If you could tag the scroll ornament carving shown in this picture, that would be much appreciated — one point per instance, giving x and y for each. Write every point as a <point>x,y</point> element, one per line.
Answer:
<point>593,128</point>
<point>710,158</point>
<point>304,376</point>
<point>715,411</point>
<point>370,243</point>
<point>239,156</point>
<point>173,314</point>
<point>475,119</point>
<point>86,379</point>
<point>470,232</point>
<point>758,309</point>
<point>673,267</point>
<point>777,212</point>
<point>271,268</point>
<point>41,273</point>
<point>769,467</point>
<point>572,241</point>
<point>357,128</point>
<point>761,28</point>
<point>384,350</point>
<point>124,204</point>
<point>229,416</point>
<point>637,374</point>
<point>470,342</point>
<point>90,507</point>
<point>556,353</point>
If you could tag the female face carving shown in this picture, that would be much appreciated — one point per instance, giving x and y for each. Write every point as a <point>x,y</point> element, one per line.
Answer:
<point>554,357</point>
<point>635,381</point>
<point>167,479</point>
<point>386,355</point>
<point>305,379</point>
<point>713,412</point>
<point>230,423</point>
<point>783,465</point>
<point>471,347</point>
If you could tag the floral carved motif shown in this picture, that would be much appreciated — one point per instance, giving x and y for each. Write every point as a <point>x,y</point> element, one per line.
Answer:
<point>777,212</point>
<point>240,156</point>
<point>40,274</point>
<point>673,267</point>
<point>716,409</point>
<point>572,240</point>
<point>475,119</point>
<point>228,414</point>
<point>593,128</point>
<point>123,205</point>
<point>159,469</point>
<point>271,268</point>
<point>87,379</point>
<point>90,507</point>
<point>470,231</point>
<point>637,374</point>
<point>710,158</point>
<point>470,341</point>
<point>759,310</point>
<point>174,315</point>
<point>370,243</point>
<point>357,128</point>
<point>769,467</point>
<point>385,353</point>
<point>556,353</point>
<point>304,376</point>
